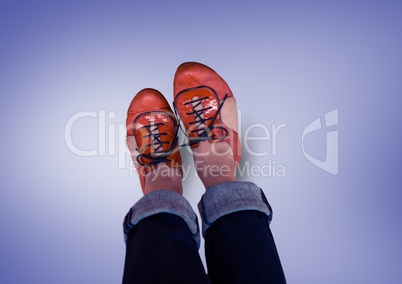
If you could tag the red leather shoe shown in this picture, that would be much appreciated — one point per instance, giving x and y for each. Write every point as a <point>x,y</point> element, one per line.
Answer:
<point>152,133</point>
<point>206,106</point>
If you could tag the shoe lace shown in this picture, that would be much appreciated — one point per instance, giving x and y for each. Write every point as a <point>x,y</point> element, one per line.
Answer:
<point>203,130</point>
<point>156,156</point>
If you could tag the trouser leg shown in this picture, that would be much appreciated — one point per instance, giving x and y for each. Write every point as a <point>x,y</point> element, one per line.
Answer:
<point>161,249</point>
<point>240,248</point>
<point>162,241</point>
<point>239,244</point>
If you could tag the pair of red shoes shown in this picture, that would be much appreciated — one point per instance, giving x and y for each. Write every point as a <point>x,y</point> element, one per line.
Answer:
<point>204,103</point>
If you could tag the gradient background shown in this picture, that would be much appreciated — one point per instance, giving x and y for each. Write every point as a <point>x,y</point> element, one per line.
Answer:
<point>287,62</point>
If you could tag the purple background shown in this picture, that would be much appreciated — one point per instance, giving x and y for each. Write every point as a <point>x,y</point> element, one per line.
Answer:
<point>289,62</point>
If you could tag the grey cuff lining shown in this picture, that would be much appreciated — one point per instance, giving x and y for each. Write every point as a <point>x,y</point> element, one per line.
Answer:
<point>230,197</point>
<point>162,201</point>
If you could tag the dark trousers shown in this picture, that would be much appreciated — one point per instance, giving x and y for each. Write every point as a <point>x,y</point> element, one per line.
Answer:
<point>239,248</point>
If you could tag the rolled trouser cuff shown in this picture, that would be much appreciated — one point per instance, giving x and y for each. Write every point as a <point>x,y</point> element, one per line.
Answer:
<point>162,201</point>
<point>230,197</point>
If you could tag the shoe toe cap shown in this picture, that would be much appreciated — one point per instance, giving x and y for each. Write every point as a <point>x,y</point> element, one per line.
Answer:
<point>147,100</point>
<point>194,74</point>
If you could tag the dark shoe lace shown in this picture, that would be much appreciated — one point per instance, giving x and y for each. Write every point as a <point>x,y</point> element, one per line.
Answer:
<point>204,133</point>
<point>156,156</point>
